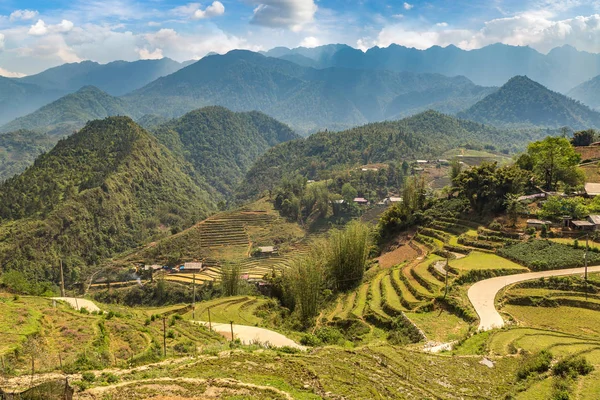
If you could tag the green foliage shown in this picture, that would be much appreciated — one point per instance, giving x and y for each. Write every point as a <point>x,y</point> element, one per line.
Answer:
<point>535,364</point>
<point>347,252</point>
<point>220,144</point>
<point>556,207</point>
<point>540,255</point>
<point>92,196</point>
<point>19,149</point>
<point>584,138</point>
<point>523,102</point>
<point>305,279</point>
<point>572,367</point>
<point>424,135</point>
<point>231,279</point>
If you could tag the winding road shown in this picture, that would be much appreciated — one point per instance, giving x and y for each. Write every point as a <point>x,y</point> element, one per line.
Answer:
<point>250,334</point>
<point>483,293</point>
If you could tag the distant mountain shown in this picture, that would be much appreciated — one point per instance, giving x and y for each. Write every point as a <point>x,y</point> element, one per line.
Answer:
<point>561,69</point>
<point>588,93</point>
<point>19,98</point>
<point>71,112</point>
<point>222,145</point>
<point>426,135</point>
<point>522,101</point>
<point>115,78</point>
<point>19,149</point>
<point>306,98</point>
<point>103,190</point>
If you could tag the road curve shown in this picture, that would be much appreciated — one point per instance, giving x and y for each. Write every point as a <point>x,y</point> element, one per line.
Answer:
<point>250,334</point>
<point>78,303</point>
<point>483,293</point>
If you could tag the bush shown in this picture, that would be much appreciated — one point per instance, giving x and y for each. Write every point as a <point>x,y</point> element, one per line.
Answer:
<point>310,340</point>
<point>535,364</point>
<point>88,376</point>
<point>109,377</point>
<point>329,335</point>
<point>495,226</point>
<point>572,367</point>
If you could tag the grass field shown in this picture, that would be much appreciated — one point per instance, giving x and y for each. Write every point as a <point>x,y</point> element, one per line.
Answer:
<point>440,326</point>
<point>577,321</point>
<point>479,260</point>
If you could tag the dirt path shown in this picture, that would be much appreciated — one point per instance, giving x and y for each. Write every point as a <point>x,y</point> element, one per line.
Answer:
<point>250,334</point>
<point>483,293</point>
<point>78,303</point>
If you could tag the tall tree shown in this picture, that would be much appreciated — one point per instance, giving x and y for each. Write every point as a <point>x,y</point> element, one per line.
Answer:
<point>554,160</point>
<point>583,138</point>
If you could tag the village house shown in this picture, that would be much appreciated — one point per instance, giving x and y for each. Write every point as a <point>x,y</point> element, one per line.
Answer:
<point>582,225</point>
<point>592,189</point>
<point>538,224</point>
<point>595,219</point>
<point>267,250</point>
<point>361,200</point>
<point>153,267</point>
<point>191,267</point>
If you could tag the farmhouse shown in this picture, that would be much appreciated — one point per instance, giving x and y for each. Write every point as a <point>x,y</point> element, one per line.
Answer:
<point>582,225</point>
<point>422,161</point>
<point>592,189</point>
<point>267,249</point>
<point>595,219</point>
<point>153,267</point>
<point>361,200</point>
<point>191,267</point>
<point>395,199</point>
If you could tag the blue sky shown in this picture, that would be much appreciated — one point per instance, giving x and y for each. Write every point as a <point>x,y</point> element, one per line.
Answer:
<point>36,34</point>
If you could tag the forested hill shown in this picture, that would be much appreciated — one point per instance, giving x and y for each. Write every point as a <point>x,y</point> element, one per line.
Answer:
<point>522,101</point>
<point>588,93</point>
<point>105,189</point>
<point>305,98</point>
<point>19,149</point>
<point>425,135</point>
<point>71,112</point>
<point>221,144</point>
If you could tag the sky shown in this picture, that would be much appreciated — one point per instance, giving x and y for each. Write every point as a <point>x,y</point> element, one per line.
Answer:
<point>39,34</point>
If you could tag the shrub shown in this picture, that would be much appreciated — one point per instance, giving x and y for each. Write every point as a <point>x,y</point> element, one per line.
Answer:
<point>310,340</point>
<point>495,226</point>
<point>88,376</point>
<point>329,335</point>
<point>572,367</point>
<point>109,377</point>
<point>535,364</point>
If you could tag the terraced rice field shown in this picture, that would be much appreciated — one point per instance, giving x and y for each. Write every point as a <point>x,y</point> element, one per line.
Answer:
<point>479,260</point>
<point>240,309</point>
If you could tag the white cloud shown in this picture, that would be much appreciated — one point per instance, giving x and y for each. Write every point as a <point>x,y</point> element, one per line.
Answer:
<point>291,14</point>
<point>408,6</point>
<point>194,10</point>
<point>1,42</point>
<point>442,24</point>
<point>310,42</point>
<point>536,29</point>
<point>146,54</point>
<point>9,74</point>
<point>40,28</point>
<point>154,23</point>
<point>23,15</point>
<point>398,16</point>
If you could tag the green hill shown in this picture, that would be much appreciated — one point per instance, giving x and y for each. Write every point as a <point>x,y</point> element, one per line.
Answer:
<point>71,112</point>
<point>105,189</point>
<point>588,93</point>
<point>221,144</point>
<point>426,135</point>
<point>524,102</point>
<point>305,98</point>
<point>19,149</point>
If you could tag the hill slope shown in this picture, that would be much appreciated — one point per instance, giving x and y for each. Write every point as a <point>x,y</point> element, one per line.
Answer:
<point>221,144</point>
<point>522,101</point>
<point>428,134</point>
<point>71,112</point>
<point>103,190</point>
<point>308,99</point>
<point>19,149</point>
<point>19,98</point>
<point>115,78</point>
<point>588,93</point>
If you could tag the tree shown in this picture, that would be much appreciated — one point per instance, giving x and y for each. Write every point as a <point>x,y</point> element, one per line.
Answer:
<point>347,252</point>
<point>513,207</point>
<point>455,169</point>
<point>349,193</point>
<point>231,279</point>
<point>554,160</point>
<point>583,138</point>
<point>305,279</point>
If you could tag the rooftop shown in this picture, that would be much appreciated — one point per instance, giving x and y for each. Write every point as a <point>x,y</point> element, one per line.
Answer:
<point>592,189</point>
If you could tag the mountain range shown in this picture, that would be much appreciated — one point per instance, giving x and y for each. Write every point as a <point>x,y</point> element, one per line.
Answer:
<point>561,69</point>
<point>588,93</point>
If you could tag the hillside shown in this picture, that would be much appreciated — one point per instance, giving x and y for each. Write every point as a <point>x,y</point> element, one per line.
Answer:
<point>221,144</point>
<point>105,189</point>
<point>428,134</point>
<point>19,149</point>
<point>522,101</point>
<point>20,98</point>
<point>305,98</point>
<point>115,78</point>
<point>70,112</point>
<point>588,93</point>
<point>561,69</point>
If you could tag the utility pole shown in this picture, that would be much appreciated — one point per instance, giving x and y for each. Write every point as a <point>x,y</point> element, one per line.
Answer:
<point>585,257</point>
<point>231,324</point>
<point>165,336</point>
<point>209,324</point>
<point>446,270</point>
<point>194,298</point>
<point>62,280</point>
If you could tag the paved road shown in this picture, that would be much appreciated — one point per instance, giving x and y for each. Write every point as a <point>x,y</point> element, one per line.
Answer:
<point>483,293</point>
<point>78,303</point>
<point>249,334</point>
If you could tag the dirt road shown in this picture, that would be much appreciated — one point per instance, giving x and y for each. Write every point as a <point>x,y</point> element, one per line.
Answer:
<point>78,303</point>
<point>483,293</point>
<point>249,334</point>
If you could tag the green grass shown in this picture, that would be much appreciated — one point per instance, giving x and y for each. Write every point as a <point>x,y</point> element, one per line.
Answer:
<point>541,390</point>
<point>239,309</point>
<point>406,294</point>
<point>375,293</point>
<point>391,297</point>
<point>577,321</point>
<point>479,260</point>
<point>361,300</point>
<point>348,305</point>
<point>440,326</point>
<point>423,272</point>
